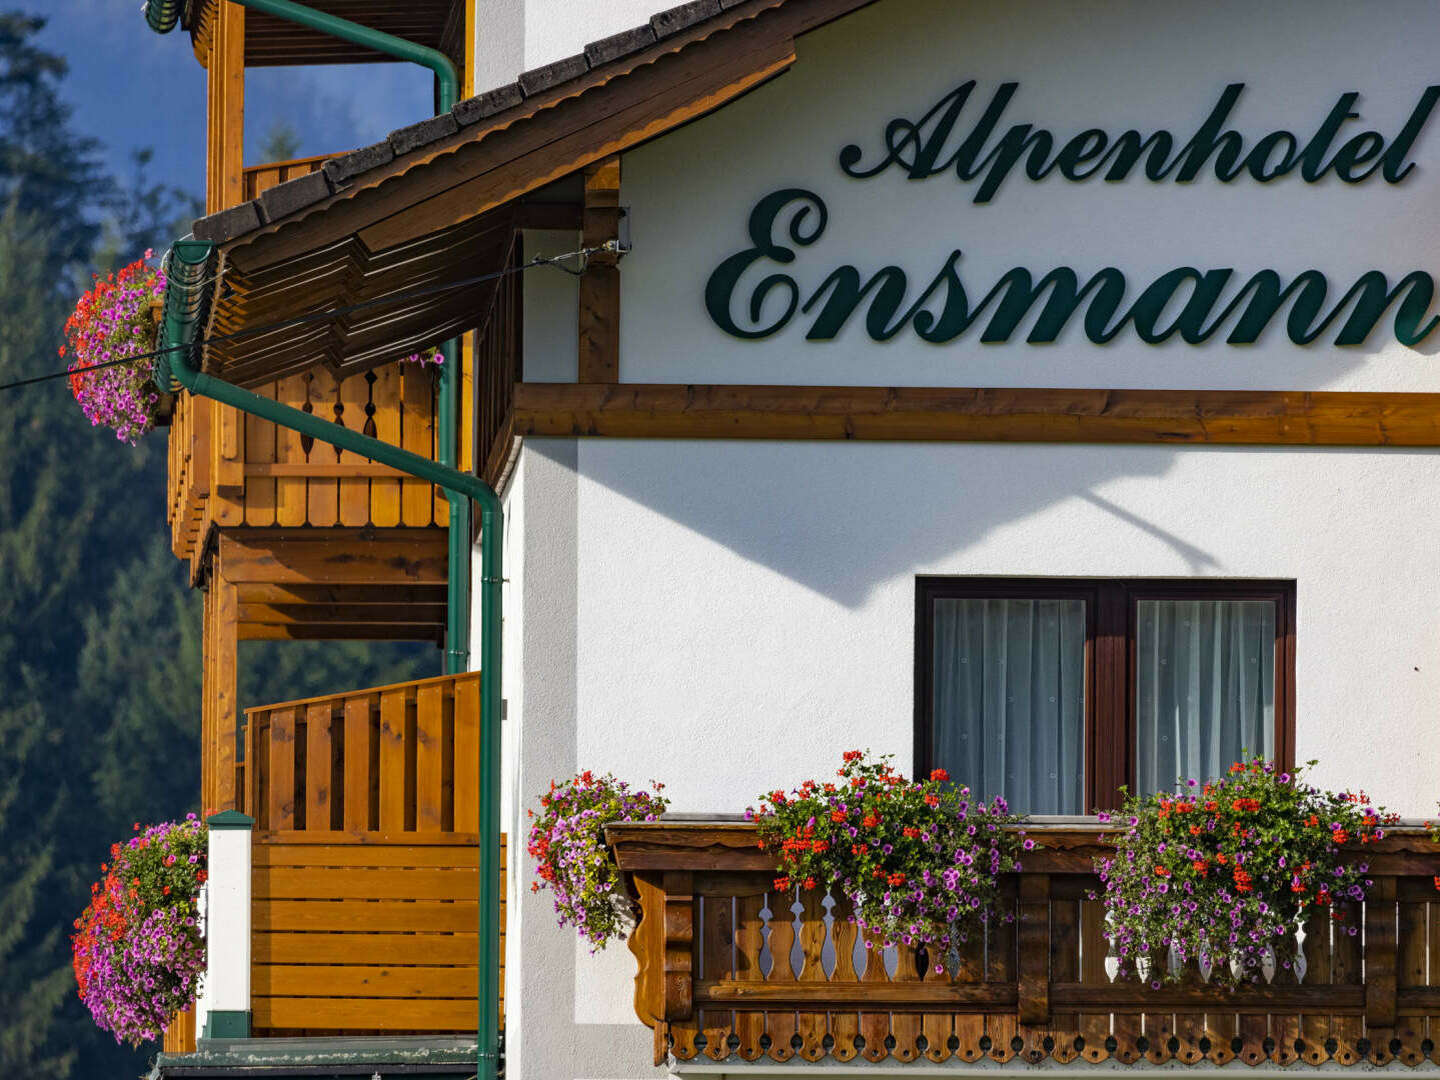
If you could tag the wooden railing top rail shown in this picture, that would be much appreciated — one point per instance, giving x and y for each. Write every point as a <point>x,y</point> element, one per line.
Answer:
<point>730,966</point>
<point>342,694</point>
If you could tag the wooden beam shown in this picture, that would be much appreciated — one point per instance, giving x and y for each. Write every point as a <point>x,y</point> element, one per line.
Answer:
<point>599,335</point>
<point>334,556</point>
<point>924,414</point>
<point>340,632</point>
<point>226,78</point>
<point>224,663</point>
<point>355,614</point>
<point>396,595</point>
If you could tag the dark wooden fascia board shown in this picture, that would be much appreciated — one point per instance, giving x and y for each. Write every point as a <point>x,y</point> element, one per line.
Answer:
<point>925,414</point>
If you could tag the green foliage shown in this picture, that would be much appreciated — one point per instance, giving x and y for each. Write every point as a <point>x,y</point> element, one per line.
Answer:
<point>281,142</point>
<point>1225,871</point>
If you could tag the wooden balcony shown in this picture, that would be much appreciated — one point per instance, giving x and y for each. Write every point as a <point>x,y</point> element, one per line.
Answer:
<point>729,969</point>
<point>365,895</point>
<point>230,470</point>
<point>256,179</point>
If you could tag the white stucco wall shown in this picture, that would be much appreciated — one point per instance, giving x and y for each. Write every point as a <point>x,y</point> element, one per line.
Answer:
<point>512,36</point>
<point>1128,64</point>
<point>729,616</point>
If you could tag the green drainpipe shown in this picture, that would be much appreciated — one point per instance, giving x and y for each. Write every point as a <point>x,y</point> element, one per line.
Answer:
<point>162,16</point>
<point>187,284</point>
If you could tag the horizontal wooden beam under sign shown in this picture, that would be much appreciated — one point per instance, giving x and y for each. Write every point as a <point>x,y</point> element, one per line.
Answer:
<point>926,414</point>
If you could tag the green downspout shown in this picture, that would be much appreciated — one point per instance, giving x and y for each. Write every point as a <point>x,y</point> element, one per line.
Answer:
<point>187,282</point>
<point>162,16</point>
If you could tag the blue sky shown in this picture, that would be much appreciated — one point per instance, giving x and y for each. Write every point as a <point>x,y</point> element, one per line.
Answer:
<point>131,88</point>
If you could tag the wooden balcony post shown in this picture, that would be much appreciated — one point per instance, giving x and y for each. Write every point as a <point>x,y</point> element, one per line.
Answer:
<point>679,945</point>
<point>1034,915</point>
<point>599,360</point>
<point>227,946</point>
<point>1380,954</point>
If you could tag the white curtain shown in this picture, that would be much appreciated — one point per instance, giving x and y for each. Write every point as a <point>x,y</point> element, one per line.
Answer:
<point>1205,687</point>
<point>1009,700</point>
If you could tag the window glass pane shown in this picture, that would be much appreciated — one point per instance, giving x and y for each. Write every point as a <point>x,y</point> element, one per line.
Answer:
<point>1204,687</point>
<point>1009,699</point>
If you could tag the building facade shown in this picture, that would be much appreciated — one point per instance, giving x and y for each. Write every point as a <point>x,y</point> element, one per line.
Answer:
<point>1043,392</point>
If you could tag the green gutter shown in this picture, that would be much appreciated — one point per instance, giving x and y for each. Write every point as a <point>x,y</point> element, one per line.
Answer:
<point>162,16</point>
<point>188,281</point>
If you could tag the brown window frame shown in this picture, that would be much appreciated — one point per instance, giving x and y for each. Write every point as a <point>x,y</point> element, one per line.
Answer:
<point>1110,607</point>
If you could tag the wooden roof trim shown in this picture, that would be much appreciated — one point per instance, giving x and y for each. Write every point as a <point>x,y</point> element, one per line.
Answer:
<point>733,29</point>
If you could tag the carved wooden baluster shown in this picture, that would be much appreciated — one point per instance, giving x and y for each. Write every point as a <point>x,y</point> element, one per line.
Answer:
<point>905,1027</point>
<point>1094,948</point>
<point>1001,970</point>
<point>844,1023</point>
<point>1315,1026</point>
<point>1190,1019</point>
<point>1126,1026</point>
<point>716,939</point>
<point>1347,1029</point>
<point>749,940</point>
<point>938,1027</point>
<point>780,1015</point>
<point>1285,1025</point>
<point>1381,963</point>
<point>874,1026</point>
<point>810,1025</point>
<point>1159,1026</point>
<point>1064,968</point>
<point>1412,969</point>
<point>969,1020</point>
<point>679,962</point>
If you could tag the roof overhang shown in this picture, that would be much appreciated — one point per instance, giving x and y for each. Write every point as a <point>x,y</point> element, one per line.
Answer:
<point>438,202</point>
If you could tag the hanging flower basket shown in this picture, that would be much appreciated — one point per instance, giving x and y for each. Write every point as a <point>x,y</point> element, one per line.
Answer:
<point>114,320</point>
<point>919,859</point>
<point>1220,876</point>
<point>137,950</point>
<point>567,842</point>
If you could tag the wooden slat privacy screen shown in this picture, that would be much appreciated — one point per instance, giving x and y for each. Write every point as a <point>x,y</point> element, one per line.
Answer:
<point>384,764</point>
<point>729,967</point>
<point>365,937</point>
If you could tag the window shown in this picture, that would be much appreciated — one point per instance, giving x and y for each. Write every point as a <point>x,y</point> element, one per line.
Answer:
<point>1055,694</point>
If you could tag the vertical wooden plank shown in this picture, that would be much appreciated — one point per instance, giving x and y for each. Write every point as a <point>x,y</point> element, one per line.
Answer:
<point>207,699</point>
<point>290,490</point>
<point>969,1026</point>
<point>468,354</point>
<point>906,1027</point>
<point>1064,967</point>
<point>780,1021</point>
<point>322,496</point>
<point>230,52</point>
<point>225,503</point>
<point>599,332</point>
<point>1315,1027</point>
<point>260,436</point>
<point>1094,948</point>
<point>1381,964</point>
<point>392,761</point>
<point>1034,956</point>
<point>467,754</point>
<point>1001,967</point>
<point>429,757</point>
<point>417,434</point>
<point>282,769</point>
<point>1412,970</point>
<point>357,763</point>
<point>319,756</point>
<point>937,1027</point>
<point>844,1023</point>
<point>385,493</point>
<point>874,1026</point>
<point>225,661</point>
<point>354,491</point>
<point>1345,970</point>
<point>749,941</point>
<point>716,940</point>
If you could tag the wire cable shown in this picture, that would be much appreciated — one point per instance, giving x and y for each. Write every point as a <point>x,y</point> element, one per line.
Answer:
<point>557,261</point>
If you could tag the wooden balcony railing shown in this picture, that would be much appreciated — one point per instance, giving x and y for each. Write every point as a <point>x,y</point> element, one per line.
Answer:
<point>227,469</point>
<point>365,895</point>
<point>728,968</point>
<point>256,179</point>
